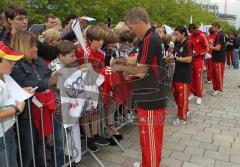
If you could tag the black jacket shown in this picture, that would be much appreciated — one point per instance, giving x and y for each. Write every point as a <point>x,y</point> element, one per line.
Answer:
<point>47,52</point>
<point>236,43</point>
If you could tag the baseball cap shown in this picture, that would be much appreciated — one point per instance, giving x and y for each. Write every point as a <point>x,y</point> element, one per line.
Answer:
<point>7,53</point>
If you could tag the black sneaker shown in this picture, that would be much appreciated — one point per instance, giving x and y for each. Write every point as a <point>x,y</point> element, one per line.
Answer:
<point>119,137</point>
<point>112,142</point>
<point>101,141</point>
<point>92,146</point>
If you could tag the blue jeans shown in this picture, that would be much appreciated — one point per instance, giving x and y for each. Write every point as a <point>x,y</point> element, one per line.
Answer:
<point>235,58</point>
<point>59,136</point>
<point>26,146</point>
<point>11,150</point>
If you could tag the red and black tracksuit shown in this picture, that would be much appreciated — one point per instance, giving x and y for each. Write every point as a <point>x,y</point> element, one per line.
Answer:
<point>148,97</point>
<point>182,78</point>
<point>200,46</point>
<point>211,38</point>
<point>219,58</point>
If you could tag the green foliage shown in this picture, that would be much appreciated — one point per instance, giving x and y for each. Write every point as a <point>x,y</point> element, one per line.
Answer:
<point>169,12</point>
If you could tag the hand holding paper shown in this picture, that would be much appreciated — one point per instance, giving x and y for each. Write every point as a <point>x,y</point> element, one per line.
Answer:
<point>16,91</point>
<point>30,90</point>
<point>20,105</point>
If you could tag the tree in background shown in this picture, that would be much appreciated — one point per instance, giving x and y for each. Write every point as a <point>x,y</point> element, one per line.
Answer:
<point>169,12</point>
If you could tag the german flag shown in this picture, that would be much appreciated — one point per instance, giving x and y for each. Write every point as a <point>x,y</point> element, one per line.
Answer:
<point>7,53</point>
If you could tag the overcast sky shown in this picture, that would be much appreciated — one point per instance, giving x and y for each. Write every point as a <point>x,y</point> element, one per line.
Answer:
<point>233,7</point>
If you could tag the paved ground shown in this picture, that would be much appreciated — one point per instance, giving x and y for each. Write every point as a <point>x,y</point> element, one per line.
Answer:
<point>212,139</point>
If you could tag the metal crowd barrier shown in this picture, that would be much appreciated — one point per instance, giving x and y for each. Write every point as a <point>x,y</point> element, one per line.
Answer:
<point>121,117</point>
<point>120,121</point>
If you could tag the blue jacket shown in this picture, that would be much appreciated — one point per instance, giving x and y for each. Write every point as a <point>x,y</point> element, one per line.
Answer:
<point>31,75</point>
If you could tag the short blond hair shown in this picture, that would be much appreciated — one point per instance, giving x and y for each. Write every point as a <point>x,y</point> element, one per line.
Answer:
<point>119,28</point>
<point>51,35</point>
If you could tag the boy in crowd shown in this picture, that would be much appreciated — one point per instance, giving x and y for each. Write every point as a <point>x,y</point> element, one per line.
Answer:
<point>8,109</point>
<point>66,58</point>
<point>95,38</point>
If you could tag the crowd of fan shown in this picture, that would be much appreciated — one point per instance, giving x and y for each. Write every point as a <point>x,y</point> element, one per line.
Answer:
<point>45,47</point>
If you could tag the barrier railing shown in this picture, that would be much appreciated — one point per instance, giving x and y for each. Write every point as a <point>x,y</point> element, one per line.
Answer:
<point>120,118</point>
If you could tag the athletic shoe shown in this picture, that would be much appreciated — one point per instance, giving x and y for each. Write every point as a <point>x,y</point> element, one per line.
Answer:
<point>210,91</point>
<point>92,146</point>
<point>191,97</point>
<point>199,100</point>
<point>137,164</point>
<point>101,141</point>
<point>217,93</point>
<point>220,93</point>
<point>178,122</point>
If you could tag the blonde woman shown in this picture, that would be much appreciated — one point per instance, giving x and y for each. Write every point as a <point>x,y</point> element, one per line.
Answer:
<point>51,37</point>
<point>30,72</point>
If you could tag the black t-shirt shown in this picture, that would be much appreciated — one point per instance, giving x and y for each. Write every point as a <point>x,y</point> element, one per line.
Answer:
<point>149,93</point>
<point>229,44</point>
<point>220,56</point>
<point>183,71</point>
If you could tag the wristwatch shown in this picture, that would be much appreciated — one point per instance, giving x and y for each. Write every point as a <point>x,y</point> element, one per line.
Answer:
<point>17,110</point>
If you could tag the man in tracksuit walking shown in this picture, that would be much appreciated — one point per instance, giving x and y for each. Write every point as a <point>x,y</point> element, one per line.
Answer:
<point>200,48</point>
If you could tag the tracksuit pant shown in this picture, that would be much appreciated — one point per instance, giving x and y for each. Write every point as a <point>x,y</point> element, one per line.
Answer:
<point>181,92</point>
<point>151,124</point>
<point>209,69</point>
<point>229,55</point>
<point>218,74</point>
<point>197,79</point>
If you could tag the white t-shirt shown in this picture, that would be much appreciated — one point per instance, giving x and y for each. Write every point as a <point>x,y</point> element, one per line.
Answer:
<point>6,100</point>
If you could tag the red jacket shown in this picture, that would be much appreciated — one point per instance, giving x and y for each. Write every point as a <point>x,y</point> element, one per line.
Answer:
<point>200,44</point>
<point>211,38</point>
<point>96,58</point>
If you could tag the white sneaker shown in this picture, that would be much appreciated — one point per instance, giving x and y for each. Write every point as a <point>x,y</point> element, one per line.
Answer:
<point>209,82</point>
<point>191,97</point>
<point>210,91</point>
<point>178,122</point>
<point>217,93</point>
<point>220,93</point>
<point>199,100</point>
<point>137,164</point>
